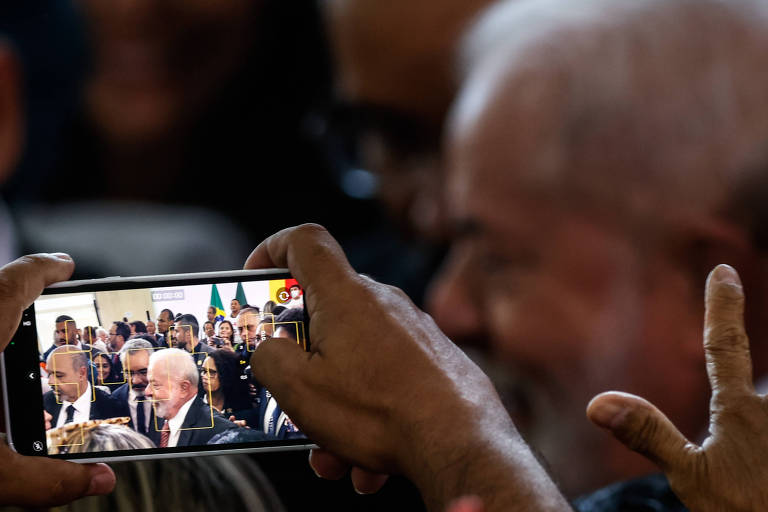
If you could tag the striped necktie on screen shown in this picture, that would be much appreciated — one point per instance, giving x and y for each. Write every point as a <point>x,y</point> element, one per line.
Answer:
<point>165,435</point>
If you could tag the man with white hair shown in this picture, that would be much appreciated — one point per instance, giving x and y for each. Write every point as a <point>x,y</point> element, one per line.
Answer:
<point>182,418</point>
<point>604,155</point>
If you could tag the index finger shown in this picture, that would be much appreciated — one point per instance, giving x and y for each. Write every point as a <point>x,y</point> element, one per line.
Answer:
<point>726,345</point>
<point>22,281</point>
<point>313,256</point>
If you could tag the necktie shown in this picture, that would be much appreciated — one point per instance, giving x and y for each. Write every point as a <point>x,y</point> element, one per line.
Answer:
<point>165,434</point>
<point>70,414</point>
<point>140,418</point>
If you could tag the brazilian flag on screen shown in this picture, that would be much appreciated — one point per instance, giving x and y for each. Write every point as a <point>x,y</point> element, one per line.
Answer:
<point>216,304</point>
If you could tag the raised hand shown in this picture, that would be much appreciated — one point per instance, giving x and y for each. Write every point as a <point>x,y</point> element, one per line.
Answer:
<point>729,471</point>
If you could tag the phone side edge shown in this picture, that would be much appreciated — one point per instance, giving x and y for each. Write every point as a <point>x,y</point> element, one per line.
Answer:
<point>6,407</point>
<point>177,455</point>
<point>169,277</point>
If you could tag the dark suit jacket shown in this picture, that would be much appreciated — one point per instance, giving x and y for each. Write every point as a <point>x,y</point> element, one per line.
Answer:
<point>122,395</point>
<point>198,422</point>
<point>102,408</point>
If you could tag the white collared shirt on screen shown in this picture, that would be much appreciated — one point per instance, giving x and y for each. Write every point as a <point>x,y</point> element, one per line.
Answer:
<point>175,424</point>
<point>145,403</point>
<point>82,408</point>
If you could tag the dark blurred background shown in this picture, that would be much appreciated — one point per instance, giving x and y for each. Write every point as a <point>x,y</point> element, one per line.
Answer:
<point>170,137</point>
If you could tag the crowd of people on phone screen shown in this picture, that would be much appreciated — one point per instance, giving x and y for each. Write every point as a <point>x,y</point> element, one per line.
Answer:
<point>169,383</point>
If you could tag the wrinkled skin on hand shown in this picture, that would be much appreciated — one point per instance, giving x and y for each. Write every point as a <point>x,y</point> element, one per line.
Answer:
<point>384,389</point>
<point>39,481</point>
<point>729,470</point>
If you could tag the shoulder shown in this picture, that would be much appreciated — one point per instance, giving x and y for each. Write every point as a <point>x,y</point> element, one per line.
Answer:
<point>647,493</point>
<point>121,393</point>
<point>49,400</point>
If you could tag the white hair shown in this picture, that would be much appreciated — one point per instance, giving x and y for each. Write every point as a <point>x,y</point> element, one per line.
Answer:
<point>671,94</point>
<point>133,346</point>
<point>179,364</point>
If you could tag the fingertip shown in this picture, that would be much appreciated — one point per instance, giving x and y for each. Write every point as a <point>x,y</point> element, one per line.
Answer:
<point>102,480</point>
<point>62,256</point>
<point>466,504</point>
<point>606,410</point>
<point>367,482</point>
<point>326,465</point>
<point>725,274</point>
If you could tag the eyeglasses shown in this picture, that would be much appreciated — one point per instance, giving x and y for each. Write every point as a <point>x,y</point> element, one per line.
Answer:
<point>339,128</point>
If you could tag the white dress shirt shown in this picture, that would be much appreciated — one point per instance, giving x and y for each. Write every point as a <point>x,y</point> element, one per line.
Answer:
<point>133,404</point>
<point>175,423</point>
<point>82,408</point>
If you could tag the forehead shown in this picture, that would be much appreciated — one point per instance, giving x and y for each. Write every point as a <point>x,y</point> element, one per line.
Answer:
<point>503,145</point>
<point>138,357</point>
<point>248,319</point>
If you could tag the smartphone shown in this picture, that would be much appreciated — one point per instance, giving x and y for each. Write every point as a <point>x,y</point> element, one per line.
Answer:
<point>114,369</point>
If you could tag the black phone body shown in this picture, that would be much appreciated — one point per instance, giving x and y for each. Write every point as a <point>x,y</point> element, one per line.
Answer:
<point>73,392</point>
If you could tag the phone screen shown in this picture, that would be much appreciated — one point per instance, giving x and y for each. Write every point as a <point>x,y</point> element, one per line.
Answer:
<point>151,366</point>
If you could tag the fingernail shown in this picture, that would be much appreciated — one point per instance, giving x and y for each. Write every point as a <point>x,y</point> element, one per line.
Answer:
<point>312,466</point>
<point>102,480</point>
<point>608,414</point>
<point>62,256</point>
<point>725,274</point>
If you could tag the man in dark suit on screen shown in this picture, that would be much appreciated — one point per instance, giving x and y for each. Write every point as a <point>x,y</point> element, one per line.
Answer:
<point>182,419</point>
<point>72,399</point>
<point>134,357</point>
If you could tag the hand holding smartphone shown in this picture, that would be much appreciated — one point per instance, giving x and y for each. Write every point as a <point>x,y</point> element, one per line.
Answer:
<point>135,396</point>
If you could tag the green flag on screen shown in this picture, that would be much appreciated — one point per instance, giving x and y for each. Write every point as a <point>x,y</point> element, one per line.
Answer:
<point>240,295</point>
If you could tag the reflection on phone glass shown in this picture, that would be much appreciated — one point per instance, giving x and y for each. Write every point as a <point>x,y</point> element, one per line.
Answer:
<point>108,384</point>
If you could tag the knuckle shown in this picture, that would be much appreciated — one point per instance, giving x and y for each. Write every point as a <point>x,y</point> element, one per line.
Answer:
<point>309,230</point>
<point>640,431</point>
<point>726,338</point>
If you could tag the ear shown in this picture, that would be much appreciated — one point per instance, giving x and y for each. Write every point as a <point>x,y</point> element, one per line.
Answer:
<point>11,114</point>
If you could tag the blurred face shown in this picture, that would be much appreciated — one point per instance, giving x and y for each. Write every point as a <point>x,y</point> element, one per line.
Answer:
<point>398,80</point>
<point>67,382</point>
<point>225,331</point>
<point>89,336</point>
<point>151,328</point>
<point>66,333</point>
<point>145,53</point>
<point>11,112</point>
<point>137,362</point>
<point>210,376</point>
<point>133,328</point>
<point>268,328</point>
<point>295,292</point>
<point>235,306</point>
<point>182,336</point>
<point>163,322</point>
<point>248,328</point>
<point>566,300</point>
<point>103,368</point>
<point>209,330</point>
<point>211,314</point>
<point>116,341</point>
